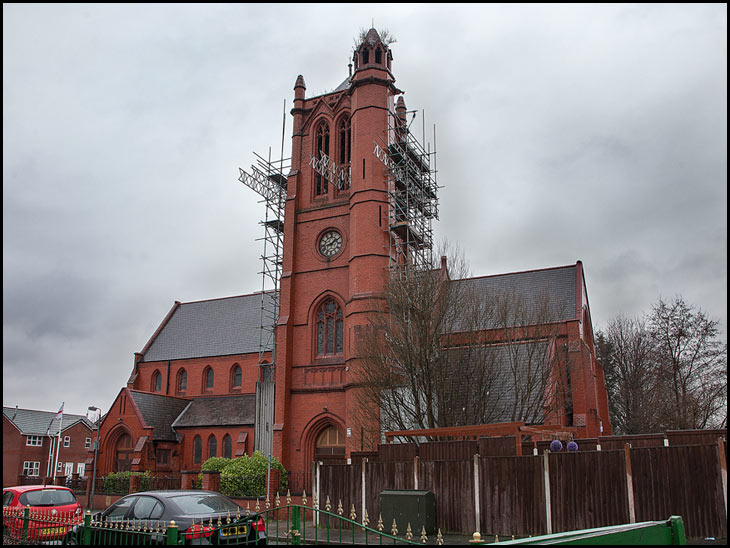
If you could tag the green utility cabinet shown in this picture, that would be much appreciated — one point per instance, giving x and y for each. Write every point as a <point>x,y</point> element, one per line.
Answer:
<point>408,506</point>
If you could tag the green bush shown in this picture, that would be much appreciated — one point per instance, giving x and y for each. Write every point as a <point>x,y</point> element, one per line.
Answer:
<point>213,463</point>
<point>118,482</point>
<point>246,476</point>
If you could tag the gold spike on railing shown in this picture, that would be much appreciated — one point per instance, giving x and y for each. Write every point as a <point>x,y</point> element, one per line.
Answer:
<point>439,538</point>
<point>353,514</point>
<point>315,503</point>
<point>257,508</point>
<point>268,504</point>
<point>394,530</point>
<point>210,523</point>
<point>304,497</point>
<point>219,522</point>
<point>288,496</point>
<point>409,533</point>
<point>327,505</point>
<point>380,522</point>
<point>228,517</point>
<point>424,538</point>
<point>365,519</point>
<point>277,502</point>
<point>238,511</point>
<point>340,510</point>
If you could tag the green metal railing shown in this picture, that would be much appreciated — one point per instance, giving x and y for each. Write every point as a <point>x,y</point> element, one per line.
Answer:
<point>665,532</point>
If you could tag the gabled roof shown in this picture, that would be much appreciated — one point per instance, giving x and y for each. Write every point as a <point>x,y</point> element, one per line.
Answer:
<point>553,288</point>
<point>217,327</point>
<point>159,412</point>
<point>31,422</point>
<point>239,410</point>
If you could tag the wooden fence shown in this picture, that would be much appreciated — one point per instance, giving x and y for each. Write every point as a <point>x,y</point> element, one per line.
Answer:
<point>543,493</point>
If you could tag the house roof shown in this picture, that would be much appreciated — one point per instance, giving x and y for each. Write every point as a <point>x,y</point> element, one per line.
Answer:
<point>216,327</point>
<point>236,410</point>
<point>547,295</point>
<point>159,412</point>
<point>32,422</point>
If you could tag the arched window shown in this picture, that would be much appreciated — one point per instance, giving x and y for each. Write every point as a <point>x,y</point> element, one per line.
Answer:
<point>212,447</point>
<point>378,56</point>
<point>323,148</point>
<point>236,377</point>
<point>208,379</point>
<point>330,443</point>
<point>182,380</point>
<point>365,56</point>
<point>227,446</point>
<point>344,140</point>
<point>156,381</point>
<point>197,450</point>
<point>329,328</point>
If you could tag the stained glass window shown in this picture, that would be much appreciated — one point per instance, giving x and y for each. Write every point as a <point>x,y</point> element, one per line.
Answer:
<point>329,329</point>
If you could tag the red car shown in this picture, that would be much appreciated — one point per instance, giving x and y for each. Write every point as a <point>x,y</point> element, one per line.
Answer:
<point>53,510</point>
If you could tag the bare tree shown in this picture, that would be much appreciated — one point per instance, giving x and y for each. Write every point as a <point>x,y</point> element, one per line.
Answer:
<point>691,364</point>
<point>445,353</point>
<point>626,351</point>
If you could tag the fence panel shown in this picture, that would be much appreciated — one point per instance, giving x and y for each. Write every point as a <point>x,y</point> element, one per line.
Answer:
<point>512,495</point>
<point>588,489</point>
<point>342,484</point>
<point>452,483</point>
<point>681,481</point>
<point>448,450</point>
<point>380,476</point>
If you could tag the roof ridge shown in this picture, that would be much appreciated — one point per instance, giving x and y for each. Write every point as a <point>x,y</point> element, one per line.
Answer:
<point>516,272</point>
<point>255,293</point>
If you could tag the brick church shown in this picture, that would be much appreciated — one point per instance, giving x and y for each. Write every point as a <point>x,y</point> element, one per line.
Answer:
<point>196,387</point>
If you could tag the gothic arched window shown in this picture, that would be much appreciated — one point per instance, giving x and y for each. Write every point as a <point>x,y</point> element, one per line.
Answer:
<point>197,450</point>
<point>344,140</point>
<point>227,446</point>
<point>156,381</point>
<point>207,379</point>
<point>329,323</point>
<point>322,137</point>
<point>236,377</point>
<point>212,447</point>
<point>378,56</point>
<point>182,380</point>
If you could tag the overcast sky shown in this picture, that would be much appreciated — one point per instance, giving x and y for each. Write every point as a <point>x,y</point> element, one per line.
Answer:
<point>564,133</point>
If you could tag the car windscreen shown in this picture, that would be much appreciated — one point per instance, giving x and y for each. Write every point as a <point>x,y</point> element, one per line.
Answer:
<point>203,504</point>
<point>47,497</point>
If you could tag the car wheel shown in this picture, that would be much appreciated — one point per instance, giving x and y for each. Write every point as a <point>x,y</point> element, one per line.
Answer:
<point>71,540</point>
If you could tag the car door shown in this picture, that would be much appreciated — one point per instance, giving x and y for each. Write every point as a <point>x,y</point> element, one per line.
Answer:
<point>113,530</point>
<point>145,518</point>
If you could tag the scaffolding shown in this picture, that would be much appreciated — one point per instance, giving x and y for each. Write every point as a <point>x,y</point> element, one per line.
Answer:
<point>268,179</point>
<point>412,194</point>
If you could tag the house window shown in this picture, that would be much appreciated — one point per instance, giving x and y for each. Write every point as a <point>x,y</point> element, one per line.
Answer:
<point>31,468</point>
<point>212,447</point>
<point>34,441</point>
<point>322,148</point>
<point>197,450</point>
<point>156,381</point>
<point>182,380</point>
<point>80,468</point>
<point>69,469</point>
<point>236,377</point>
<point>227,446</point>
<point>87,443</point>
<point>67,441</point>
<point>59,468</point>
<point>329,328</point>
<point>163,457</point>
<point>208,379</point>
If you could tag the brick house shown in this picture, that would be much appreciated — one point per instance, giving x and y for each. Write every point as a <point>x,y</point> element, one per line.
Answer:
<point>29,439</point>
<point>192,392</point>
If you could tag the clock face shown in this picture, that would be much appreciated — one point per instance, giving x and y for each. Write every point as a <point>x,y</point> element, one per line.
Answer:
<point>330,243</point>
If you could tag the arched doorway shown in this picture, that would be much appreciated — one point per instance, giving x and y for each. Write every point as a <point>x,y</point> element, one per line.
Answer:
<point>330,445</point>
<point>123,453</point>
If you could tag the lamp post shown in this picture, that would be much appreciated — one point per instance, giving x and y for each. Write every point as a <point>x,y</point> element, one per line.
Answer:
<point>96,452</point>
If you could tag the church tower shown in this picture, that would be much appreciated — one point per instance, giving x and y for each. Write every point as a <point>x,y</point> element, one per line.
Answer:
<point>335,257</point>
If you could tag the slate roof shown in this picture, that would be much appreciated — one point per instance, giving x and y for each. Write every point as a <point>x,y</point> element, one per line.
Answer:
<point>556,286</point>
<point>236,410</point>
<point>37,423</point>
<point>485,376</point>
<point>159,412</point>
<point>217,327</point>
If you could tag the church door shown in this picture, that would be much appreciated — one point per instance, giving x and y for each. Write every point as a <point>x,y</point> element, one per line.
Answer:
<point>123,454</point>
